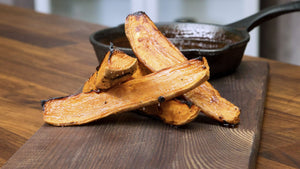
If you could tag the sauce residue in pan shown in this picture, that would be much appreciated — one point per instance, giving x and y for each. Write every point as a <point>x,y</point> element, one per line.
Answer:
<point>118,41</point>
<point>181,43</point>
<point>197,43</point>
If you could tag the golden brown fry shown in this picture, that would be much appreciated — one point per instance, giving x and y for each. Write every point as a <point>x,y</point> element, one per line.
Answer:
<point>116,67</point>
<point>133,94</point>
<point>174,112</point>
<point>212,104</point>
<point>156,52</point>
<point>171,111</point>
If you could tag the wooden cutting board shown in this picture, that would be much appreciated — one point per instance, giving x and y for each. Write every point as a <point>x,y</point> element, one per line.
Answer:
<point>130,140</point>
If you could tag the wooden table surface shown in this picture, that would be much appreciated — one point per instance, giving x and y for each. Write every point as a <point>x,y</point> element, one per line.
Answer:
<point>43,56</point>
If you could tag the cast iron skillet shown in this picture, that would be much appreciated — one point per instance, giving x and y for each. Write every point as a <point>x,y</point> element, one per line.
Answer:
<point>222,45</point>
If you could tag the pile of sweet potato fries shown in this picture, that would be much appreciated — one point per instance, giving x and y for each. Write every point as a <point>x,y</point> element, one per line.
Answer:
<point>160,81</point>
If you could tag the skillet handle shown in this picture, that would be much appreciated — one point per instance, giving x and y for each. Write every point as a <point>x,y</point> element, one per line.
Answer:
<point>264,15</point>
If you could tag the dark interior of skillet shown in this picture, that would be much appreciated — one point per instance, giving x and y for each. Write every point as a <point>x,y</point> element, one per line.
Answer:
<point>183,35</point>
<point>222,46</point>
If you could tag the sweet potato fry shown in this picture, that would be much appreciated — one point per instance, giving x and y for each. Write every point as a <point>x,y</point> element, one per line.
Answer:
<point>133,94</point>
<point>116,67</point>
<point>173,112</point>
<point>156,52</point>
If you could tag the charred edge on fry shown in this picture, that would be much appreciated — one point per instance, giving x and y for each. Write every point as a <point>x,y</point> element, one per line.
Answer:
<point>161,99</point>
<point>43,102</point>
<point>138,13</point>
<point>98,67</point>
<point>111,50</point>
<point>199,58</point>
<point>226,124</point>
<point>122,75</point>
<point>188,103</point>
<point>184,101</point>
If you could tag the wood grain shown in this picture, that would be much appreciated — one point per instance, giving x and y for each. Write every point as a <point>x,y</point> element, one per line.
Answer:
<point>140,142</point>
<point>30,73</point>
<point>34,38</point>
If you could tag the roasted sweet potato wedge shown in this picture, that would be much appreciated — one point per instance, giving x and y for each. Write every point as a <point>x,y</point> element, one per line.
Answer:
<point>133,94</point>
<point>211,102</point>
<point>116,67</point>
<point>174,112</point>
<point>156,52</point>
